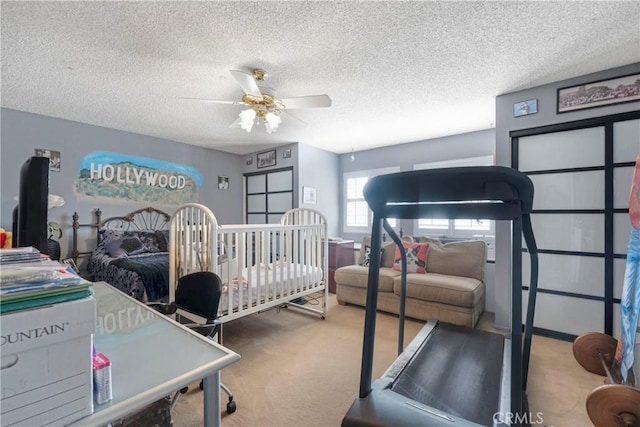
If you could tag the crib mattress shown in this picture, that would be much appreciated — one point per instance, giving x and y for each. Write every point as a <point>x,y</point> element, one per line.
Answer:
<point>269,282</point>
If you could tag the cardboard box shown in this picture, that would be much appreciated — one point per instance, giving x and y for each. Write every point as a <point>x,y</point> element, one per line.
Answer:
<point>46,375</point>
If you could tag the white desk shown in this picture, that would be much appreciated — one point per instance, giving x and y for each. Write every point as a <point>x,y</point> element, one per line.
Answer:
<point>151,357</point>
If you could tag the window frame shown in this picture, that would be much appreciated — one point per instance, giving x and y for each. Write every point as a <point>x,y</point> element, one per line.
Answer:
<point>368,173</point>
<point>451,231</point>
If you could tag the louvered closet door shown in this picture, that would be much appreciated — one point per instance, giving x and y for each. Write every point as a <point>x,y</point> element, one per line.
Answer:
<point>582,178</point>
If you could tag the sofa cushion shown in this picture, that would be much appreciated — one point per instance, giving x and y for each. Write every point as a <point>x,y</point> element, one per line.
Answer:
<point>465,258</point>
<point>357,275</point>
<point>441,288</point>
<point>387,256</point>
<point>430,240</point>
<point>416,257</point>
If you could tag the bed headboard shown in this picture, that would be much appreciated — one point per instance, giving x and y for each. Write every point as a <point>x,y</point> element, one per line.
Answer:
<point>142,219</point>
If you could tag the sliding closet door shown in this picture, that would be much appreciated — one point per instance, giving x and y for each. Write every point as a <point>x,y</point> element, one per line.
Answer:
<point>268,195</point>
<point>582,177</point>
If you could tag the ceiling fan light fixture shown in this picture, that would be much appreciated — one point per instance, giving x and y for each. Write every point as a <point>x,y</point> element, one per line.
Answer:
<point>246,119</point>
<point>271,122</point>
<point>263,102</point>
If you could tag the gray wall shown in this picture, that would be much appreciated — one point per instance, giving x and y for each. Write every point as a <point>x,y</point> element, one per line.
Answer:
<point>312,167</point>
<point>22,132</point>
<point>281,162</point>
<point>505,123</point>
<point>472,144</point>
<point>320,169</point>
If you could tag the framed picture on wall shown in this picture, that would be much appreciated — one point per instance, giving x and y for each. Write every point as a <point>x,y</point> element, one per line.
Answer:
<point>309,195</point>
<point>525,108</point>
<point>599,93</point>
<point>223,183</point>
<point>53,156</point>
<point>266,159</point>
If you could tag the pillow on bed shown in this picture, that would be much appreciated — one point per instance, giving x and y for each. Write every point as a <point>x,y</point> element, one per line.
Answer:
<point>110,243</point>
<point>132,245</point>
<point>162,237</point>
<point>120,244</point>
<point>114,248</point>
<point>152,240</point>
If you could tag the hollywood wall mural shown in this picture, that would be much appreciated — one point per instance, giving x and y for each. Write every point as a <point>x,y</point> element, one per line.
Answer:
<point>115,177</point>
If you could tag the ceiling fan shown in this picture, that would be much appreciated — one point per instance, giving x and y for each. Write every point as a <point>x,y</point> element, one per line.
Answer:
<point>264,103</point>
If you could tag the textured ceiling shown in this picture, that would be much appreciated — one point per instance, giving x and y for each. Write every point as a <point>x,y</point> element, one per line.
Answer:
<point>396,71</point>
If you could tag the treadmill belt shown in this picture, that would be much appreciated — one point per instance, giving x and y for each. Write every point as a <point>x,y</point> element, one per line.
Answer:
<point>457,370</point>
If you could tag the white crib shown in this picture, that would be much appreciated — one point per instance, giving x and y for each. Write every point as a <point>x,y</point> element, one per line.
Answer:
<point>261,265</point>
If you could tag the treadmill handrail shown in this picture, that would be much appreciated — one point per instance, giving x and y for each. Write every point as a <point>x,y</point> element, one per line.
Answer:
<point>486,192</point>
<point>494,191</point>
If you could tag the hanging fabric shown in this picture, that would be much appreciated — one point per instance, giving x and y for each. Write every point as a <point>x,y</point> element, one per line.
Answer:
<point>630,300</point>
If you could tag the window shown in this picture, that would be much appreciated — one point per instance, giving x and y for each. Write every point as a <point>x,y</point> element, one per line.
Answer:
<point>465,228</point>
<point>357,215</point>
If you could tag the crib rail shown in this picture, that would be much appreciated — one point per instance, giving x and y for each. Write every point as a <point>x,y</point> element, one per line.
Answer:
<point>261,266</point>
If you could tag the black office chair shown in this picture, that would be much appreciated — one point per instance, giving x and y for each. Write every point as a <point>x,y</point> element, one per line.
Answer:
<point>198,293</point>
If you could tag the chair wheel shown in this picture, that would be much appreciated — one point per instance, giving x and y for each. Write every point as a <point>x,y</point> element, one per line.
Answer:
<point>231,407</point>
<point>183,390</point>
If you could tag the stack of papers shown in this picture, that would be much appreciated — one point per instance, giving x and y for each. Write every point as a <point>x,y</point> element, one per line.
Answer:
<point>27,283</point>
<point>18,255</point>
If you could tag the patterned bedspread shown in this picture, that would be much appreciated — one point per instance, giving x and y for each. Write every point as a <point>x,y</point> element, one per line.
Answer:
<point>153,270</point>
<point>145,276</point>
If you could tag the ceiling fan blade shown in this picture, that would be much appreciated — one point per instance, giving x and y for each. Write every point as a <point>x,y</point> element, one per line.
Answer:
<point>247,83</point>
<point>313,101</point>
<point>235,124</point>
<point>214,101</point>
<point>291,120</point>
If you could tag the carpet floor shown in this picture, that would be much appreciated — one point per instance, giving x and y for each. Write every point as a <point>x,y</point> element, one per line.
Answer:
<point>297,369</point>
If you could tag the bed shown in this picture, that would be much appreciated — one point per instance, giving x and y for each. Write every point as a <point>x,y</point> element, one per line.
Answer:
<point>131,252</point>
<point>262,266</point>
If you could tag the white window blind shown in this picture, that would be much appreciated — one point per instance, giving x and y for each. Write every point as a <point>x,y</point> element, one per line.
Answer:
<point>357,215</point>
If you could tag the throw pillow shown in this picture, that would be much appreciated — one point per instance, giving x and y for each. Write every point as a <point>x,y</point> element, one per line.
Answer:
<point>121,245</point>
<point>367,256</point>
<point>133,245</point>
<point>163,240</point>
<point>416,257</point>
<point>110,242</point>
<point>149,239</point>
<point>114,248</point>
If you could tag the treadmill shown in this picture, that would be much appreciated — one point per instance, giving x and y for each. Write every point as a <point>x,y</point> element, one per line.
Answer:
<point>450,375</point>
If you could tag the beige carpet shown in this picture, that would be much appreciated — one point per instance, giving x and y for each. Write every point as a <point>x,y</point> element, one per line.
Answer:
<point>299,370</point>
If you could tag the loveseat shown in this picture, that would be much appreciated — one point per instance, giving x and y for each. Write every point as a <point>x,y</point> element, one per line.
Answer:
<point>445,281</point>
